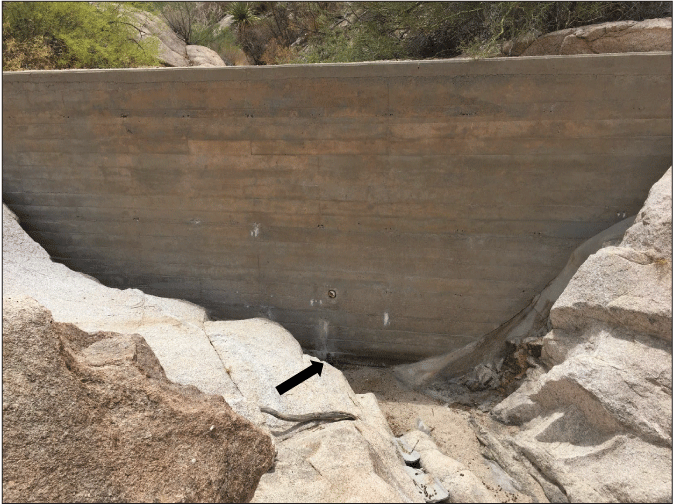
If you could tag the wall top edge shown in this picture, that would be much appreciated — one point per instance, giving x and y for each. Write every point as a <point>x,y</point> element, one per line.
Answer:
<point>620,63</point>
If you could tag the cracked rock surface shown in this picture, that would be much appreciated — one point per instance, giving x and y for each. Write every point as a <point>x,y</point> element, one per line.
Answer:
<point>598,424</point>
<point>92,418</point>
<point>241,361</point>
<point>173,51</point>
<point>613,37</point>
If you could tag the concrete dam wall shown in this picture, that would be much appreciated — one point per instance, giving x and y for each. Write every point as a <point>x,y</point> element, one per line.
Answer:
<point>383,211</point>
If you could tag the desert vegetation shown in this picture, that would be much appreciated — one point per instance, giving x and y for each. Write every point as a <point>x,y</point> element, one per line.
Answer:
<point>43,35</point>
<point>198,23</point>
<point>59,35</point>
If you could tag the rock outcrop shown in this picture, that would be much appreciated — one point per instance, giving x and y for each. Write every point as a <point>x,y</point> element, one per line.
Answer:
<point>461,484</point>
<point>597,426</point>
<point>173,51</point>
<point>92,417</point>
<point>172,328</point>
<point>320,462</point>
<point>241,361</point>
<point>478,365</point>
<point>203,56</point>
<point>614,37</point>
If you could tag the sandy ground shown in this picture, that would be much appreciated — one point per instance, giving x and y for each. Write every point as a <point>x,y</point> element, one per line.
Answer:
<point>448,424</point>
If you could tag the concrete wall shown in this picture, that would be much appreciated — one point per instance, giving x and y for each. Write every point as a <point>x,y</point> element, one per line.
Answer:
<point>434,198</point>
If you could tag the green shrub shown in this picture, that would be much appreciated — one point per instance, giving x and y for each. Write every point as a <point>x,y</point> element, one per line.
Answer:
<point>251,35</point>
<point>196,23</point>
<point>181,17</point>
<point>41,35</point>
<point>359,31</point>
<point>510,20</point>
<point>243,14</point>
<point>224,43</point>
<point>31,53</point>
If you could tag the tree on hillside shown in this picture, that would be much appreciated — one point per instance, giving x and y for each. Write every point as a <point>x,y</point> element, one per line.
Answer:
<point>44,35</point>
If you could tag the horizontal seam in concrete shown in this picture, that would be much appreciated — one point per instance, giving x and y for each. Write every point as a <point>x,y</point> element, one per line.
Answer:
<point>265,184</point>
<point>277,199</point>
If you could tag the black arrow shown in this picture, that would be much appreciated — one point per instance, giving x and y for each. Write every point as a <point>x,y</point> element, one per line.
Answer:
<point>305,374</point>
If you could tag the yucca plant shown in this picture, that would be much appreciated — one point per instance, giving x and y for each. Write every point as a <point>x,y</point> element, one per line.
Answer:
<point>243,14</point>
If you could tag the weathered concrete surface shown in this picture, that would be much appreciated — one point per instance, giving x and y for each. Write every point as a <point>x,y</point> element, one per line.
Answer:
<point>435,198</point>
<point>475,364</point>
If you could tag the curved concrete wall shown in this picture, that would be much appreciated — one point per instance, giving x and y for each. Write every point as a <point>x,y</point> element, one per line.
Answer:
<point>433,199</point>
